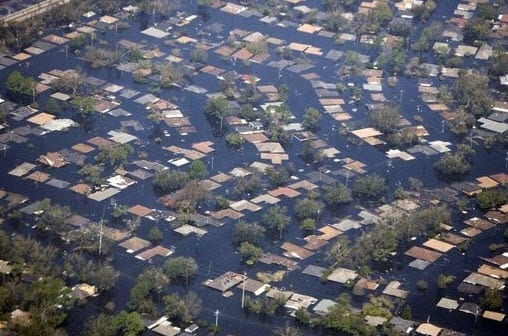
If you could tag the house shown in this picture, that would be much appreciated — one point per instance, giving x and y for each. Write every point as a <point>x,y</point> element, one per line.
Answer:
<point>428,329</point>
<point>5,268</point>
<point>253,286</point>
<point>83,290</point>
<point>503,80</point>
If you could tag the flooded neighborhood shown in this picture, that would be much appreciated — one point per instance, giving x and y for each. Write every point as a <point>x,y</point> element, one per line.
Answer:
<point>253,167</point>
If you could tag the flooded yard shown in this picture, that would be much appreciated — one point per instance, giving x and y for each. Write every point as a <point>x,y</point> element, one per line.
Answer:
<point>166,128</point>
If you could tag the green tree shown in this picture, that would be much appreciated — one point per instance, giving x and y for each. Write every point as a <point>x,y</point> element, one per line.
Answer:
<point>235,140</point>
<point>308,207</point>
<point>218,108</point>
<point>169,180</point>
<point>155,234</point>
<point>444,280</point>
<point>425,10</point>
<point>199,55</point>
<point>6,300</point>
<point>53,216</point>
<point>381,14</point>
<point>336,195</point>
<point>492,299</point>
<point>428,36</point>
<point>491,198</point>
<point>150,282</point>
<point>100,325</point>
<point>3,113</point>
<point>180,267</point>
<point>311,118</point>
<point>287,330</point>
<point>308,224</point>
<point>52,106</point>
<point>83,105</point>
<point>340,252</point>
<point>250,252</point>
<point>43,299</point>
<point>247,232</point>
<point>129,324</point>
<point>278,176</point>
<point>185,309</point>
<point>104,277</point>
<point>498,63</point>
<point>378,306</point>
<point>385,119</point>
<point>310,154</point>
<point>472,91</point>
<point>115,155</point>
<point>370,186</point>
<point>197,170</point>
<point>275,218</point>
<point>406,313</point>
<point>476,29</point>
<point>20,87</point>
<point>422,285</point>
<point>486,11</point>
<point>302,315</point>
<point>92,174</point>
<point>452,164</point>
<point>247,112</point>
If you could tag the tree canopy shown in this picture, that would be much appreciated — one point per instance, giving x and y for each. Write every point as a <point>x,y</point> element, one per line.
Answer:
<point>275,218</point>
<point>369,186</point>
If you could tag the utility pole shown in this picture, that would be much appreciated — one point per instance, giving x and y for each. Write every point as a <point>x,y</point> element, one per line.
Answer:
<point>243,289</point>
<point>216,318</point>
<point>101,232</point>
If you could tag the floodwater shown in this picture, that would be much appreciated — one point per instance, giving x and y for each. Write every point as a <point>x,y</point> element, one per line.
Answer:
<point>214,252</point>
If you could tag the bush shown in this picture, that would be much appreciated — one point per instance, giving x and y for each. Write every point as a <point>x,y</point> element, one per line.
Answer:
<point>422,285</point>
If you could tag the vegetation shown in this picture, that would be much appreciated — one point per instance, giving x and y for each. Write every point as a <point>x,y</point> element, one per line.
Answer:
<point>369,186</point>
<point>180,267</point>
<point>425,10</point>
<point>167,181</point>
<point>148,286</point>
<point>492,300</point>
<point>455,164</point>
<point>491,198</point>
<point>275,218</point>
<point>235,140</point>
<point>83,105</point>
<point>308,224</point>
<point>114,155</point>
<point>308,207</point>
<point>422,285</point>
<point>20,88</point>
<point>385,119</point>
<point>218,108</point>
<point>197,170</point>
<point>476,30</point>
<point>184,309</point>
<point>444,280</point>
<point>472,91</point>
<point>311,118</point>
<point>250,252</point>
<point>129,324</point>
<point>244,232</point>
